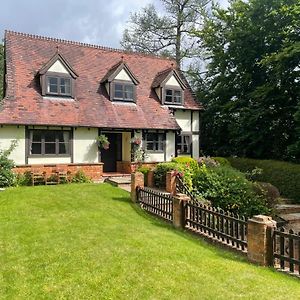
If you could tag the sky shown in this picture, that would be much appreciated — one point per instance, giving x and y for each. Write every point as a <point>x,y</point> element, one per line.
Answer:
<point>100,22</point>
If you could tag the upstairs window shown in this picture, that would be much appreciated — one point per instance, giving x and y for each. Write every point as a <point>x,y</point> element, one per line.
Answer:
<point>49,142</point>
<point>154,142</point>
<point>57,85</point>
<point>173,96</point>
<point>123,91</point>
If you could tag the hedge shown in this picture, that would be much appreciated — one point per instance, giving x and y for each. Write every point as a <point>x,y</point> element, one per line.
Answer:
<point>285,176</point>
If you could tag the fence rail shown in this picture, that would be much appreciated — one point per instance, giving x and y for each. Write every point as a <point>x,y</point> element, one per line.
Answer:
<point>155,202</point>
<point>286,250</point>
<point>217,224</point>
<point>182,188</point>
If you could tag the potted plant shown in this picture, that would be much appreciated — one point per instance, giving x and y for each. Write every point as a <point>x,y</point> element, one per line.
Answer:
<point>102,141</point>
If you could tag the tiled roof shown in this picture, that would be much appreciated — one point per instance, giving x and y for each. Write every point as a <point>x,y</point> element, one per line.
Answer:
<point>24,104</point>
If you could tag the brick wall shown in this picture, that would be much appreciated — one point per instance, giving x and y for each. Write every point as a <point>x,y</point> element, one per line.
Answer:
<point>94,170</point>
<point>128,167</point>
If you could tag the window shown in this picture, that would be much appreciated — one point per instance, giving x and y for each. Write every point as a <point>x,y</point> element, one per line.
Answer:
<point>155,142</point>
<point>49,142</point>
<point>123,91</point>
<point>184,142</point>
<point>173,96</point>
<point>58,85</point>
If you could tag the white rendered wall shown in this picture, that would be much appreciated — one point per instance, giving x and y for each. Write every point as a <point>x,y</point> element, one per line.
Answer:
<point>123,76</point>
<point>48,160</point>
<point>183,119</point>
<point>170,145</point>
<point>58,68</point>
<point>85,149</point>
<point>172,81</point>
<point>7,135</point>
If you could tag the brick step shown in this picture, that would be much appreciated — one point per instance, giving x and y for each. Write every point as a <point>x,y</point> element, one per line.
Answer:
<point>287,209</point>
<point>291,218</point>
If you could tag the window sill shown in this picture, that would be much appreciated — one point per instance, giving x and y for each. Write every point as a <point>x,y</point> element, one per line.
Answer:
<point>58,98</point>
<point>155,151</point>
<point>49,155</point>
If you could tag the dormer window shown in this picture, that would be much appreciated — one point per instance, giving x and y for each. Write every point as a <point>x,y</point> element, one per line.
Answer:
<point>173,96</point>
<point>57,85</point>
<point>169,87</point>
<point>120,83</point>
<point>57,78</point>
<point>123,91</point>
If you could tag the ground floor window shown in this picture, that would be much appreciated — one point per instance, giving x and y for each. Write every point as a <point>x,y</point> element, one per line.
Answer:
<point>49,142</point>
<point>184,143</point>
<point>154,141</point>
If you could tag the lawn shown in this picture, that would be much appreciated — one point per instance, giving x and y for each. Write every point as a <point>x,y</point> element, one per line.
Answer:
<point>89,242</point>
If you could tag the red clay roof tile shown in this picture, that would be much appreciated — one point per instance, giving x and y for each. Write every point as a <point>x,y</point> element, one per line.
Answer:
<point>24,104</point>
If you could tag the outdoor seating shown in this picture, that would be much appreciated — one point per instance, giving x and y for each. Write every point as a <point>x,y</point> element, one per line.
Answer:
<point>38,175</point>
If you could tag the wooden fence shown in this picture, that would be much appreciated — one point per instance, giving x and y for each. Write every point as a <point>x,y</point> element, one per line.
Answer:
<point>217,224</point>
<point>155,202</point>
<point>286,250</point>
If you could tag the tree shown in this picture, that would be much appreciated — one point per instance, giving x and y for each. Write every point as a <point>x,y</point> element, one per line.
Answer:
<point>170,34</point>
<point>251,88</point>
<point>1,71</point>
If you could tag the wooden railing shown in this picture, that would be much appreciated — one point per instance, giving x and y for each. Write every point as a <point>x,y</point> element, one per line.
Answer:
<point>183,189</point>
<point>286,250</point>
<point>222,226</point>
<point>155,202</point>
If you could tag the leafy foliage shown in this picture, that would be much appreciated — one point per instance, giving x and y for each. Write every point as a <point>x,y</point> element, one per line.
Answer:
<point>160,172</point>
<point>222,161</point>
<point>7,177</point>
<point>185,160</point>
<point>80,177</point>
<point>170,34</point>
<point>228,189</point>
<point>251,89</point>
<point>285,176</point>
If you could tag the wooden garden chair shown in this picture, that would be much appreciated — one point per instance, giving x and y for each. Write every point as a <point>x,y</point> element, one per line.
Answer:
<point>38,175</point>
<point>62,173</point>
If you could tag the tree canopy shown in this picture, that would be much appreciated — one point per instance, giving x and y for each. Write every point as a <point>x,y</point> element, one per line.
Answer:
<point>171,34</point>
<point>251,88</point>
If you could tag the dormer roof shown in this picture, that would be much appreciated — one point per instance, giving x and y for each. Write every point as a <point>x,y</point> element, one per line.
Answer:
<point>116,69</point>
<point>162,78</point>
<point>58,57</point>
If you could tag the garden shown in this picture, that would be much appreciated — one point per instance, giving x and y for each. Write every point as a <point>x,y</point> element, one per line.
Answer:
<point>88,241</point>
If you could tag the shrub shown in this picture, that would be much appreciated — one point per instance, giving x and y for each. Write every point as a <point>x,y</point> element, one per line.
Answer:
<point>228,189</point>
<point>185,160</point>
<point>7,177</point>
<point>285,176</point>
<point>222,161</point>
<point>80,177</point>
<point>160,173</point>
<point>207,161</point>
<point>23,179</point>
<point>145,171</point>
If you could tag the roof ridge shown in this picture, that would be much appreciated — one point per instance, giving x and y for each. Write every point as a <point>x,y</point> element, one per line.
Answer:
<point>94,46</point>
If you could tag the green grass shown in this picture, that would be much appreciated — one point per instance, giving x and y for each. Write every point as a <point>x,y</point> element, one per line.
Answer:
<point>89,242</point>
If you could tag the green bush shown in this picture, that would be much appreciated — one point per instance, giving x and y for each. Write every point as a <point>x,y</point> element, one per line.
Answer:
<point>228,189</point>
<point>185,160</point>
<point>145,171</point>
<point>80,177</point>
<point>23,179</point>
<point>7,177</point>
<point>222,161</point>
<point>285,176</point>
<point>160,173</point>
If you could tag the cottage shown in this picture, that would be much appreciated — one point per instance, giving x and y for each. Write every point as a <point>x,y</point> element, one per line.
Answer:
<point>60,95</point>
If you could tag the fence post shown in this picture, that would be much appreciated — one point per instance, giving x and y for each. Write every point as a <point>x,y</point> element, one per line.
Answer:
<point>171,182</point>
<point>178,210</point>
<point>260,240</point>
<point>150,178</point>
<point>137,180</point>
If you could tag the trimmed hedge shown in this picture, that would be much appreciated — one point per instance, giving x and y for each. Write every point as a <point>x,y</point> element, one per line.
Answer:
<point>185,160</point>
<point>285,176</point>
<point>222,161</point>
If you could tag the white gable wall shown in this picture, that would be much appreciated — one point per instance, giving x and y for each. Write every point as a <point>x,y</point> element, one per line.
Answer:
<point>173,81</point>
<point>123,76</point>
<point>58,67</point>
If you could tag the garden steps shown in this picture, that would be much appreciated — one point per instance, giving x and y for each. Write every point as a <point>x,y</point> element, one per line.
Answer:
<point>291,214</point>
<point>123,182</point>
